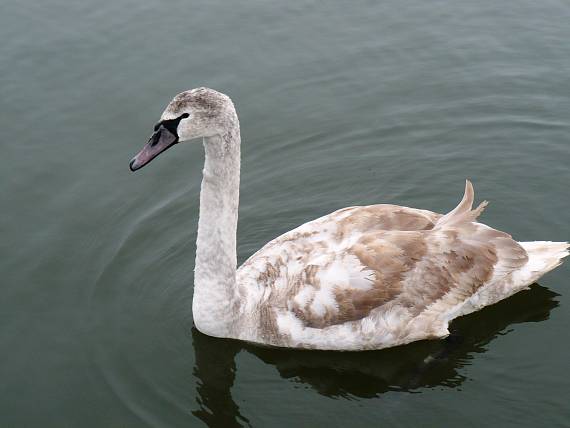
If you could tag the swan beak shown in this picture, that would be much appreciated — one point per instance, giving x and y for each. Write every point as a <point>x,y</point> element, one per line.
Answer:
<point>160,141</point>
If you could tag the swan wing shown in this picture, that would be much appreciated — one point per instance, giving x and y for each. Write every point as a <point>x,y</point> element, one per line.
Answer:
<point>392,271</point>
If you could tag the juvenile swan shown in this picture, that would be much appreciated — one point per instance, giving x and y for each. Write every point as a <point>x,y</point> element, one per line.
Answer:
<point>365,277</point>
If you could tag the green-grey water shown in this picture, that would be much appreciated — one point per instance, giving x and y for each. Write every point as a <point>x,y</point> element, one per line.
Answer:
<point>341,103</point>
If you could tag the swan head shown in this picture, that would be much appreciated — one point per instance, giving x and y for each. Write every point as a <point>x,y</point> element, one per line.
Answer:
<point>197,113</point>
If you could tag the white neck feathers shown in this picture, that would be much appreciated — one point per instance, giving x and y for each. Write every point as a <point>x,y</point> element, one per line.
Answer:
<point>215,304</point>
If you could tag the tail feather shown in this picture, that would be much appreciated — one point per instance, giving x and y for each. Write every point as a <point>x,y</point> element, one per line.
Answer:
<point>543,256</point>
<point>463,212</point>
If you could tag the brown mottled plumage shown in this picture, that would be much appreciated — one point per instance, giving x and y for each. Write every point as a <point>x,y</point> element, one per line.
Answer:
<point>399,257</point>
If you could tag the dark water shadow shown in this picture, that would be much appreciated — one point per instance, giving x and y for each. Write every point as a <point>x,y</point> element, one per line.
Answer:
<point>408,368</point>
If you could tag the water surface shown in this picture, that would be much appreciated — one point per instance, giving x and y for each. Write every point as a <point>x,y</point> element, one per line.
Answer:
<point>340,105</point>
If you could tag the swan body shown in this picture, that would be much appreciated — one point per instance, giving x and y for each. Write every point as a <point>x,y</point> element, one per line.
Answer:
<point>366,277</point>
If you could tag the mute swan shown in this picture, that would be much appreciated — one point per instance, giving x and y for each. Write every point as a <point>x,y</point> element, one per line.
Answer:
<point>364,277</point>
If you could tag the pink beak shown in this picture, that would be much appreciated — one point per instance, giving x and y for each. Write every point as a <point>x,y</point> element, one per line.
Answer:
<point>160,141</point>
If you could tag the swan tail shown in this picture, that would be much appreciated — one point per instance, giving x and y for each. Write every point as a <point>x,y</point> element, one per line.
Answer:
<point>543,256</point>
<point>463,212</point>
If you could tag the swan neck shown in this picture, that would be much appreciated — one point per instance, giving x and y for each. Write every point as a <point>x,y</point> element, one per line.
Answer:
<point>215,304</point>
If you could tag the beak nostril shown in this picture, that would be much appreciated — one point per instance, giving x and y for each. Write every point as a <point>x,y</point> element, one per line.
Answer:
<point>154,139</point>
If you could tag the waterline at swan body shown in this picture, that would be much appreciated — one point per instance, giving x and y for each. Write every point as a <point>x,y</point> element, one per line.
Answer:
<point>359,278</point>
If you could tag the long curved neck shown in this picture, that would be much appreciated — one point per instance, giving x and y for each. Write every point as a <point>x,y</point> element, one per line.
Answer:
<point>215,303</point>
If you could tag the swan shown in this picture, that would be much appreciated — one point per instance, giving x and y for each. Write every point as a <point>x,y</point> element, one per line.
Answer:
<point>360,278</point>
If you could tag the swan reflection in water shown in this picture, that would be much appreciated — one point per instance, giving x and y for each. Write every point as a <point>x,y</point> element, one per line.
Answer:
<point>408,368</point>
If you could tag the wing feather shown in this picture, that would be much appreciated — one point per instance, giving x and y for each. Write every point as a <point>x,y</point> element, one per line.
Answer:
<point>369,263</point>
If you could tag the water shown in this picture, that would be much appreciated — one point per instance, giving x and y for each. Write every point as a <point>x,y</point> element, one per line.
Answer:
<point>340,104</point>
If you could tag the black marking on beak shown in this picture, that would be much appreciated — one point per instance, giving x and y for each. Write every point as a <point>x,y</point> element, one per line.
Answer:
<point>171,124</point>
